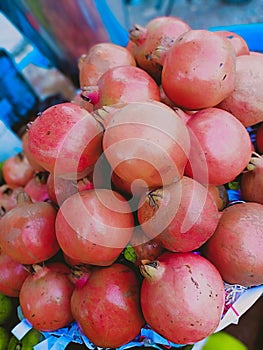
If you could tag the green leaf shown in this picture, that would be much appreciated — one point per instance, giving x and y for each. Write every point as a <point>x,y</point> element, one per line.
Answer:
<point>234,185</point>
<point>129,254</point>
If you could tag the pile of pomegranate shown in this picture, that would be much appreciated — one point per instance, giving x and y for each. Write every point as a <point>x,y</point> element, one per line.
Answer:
<point>116,213</point>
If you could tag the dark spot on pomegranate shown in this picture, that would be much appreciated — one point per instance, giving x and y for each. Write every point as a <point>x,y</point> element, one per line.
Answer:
<point>195,283</point>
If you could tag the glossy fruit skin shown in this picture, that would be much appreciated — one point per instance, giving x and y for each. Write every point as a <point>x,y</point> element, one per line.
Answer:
<point>245,102</point>
<point>125,84</point>
<point>220,147</point>
<point>100,58</point>
<point>144,141</point>
<point>65,140</point>
<point>174,291</point>
<point>236,246</point>
<point>110,297</point>
<point>45,299</point>
<point>12,275</point>
<point>31,159</point>
<point>27,232</point>
<point>17,171</point>
<point>94,226</point>
<point>199,70</point>
<point>181,216</point>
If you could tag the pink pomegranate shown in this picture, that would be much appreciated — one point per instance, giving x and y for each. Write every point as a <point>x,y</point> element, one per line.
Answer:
<point>182,296</point>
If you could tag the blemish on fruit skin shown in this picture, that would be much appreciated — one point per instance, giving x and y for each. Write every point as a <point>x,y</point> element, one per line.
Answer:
<point>194,282</point>
<point>189,268</point>
<point>48,132</point>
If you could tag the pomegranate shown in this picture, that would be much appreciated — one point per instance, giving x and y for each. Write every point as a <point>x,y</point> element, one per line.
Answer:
<point>143,247</point>
<point>17,171</point>
<point>146,143</point>
<point>159,32</point>
<point>121,85</point>
<point>94,226</point>
<point>66,140</point>
<point>220,147</point>
<point>12,275</point>
<point>45,299</point>
<point>36,187</point>
<point>71,262</point>
<point>220,195</point>
<point>181,216</point>
<point>182,296</point>
<point>239,44</point>
<point>8,197</point>
<point>246,100</point>
<point>236,246</point>
<point>100,58</point>
<point>60,189</point>
<point>107,307</point>
<point>59,266</point>
<point>199,70</point>
<point>251,184</point>
<point>31,159</point>
<point>27,232</point>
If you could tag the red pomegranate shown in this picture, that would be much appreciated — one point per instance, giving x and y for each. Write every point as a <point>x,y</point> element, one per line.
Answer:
<point>182,296</point>
<point>111,296</point>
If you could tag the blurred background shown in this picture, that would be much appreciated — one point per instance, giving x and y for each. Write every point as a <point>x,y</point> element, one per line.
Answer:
<point>41,41</point>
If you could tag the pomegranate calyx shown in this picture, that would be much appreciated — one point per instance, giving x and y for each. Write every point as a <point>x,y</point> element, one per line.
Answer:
<point>154,197</point>
<point>81,60</point>
<point>138,34</point>
<point>80,275</point>
<point>151,270</point>
<point>255,160</point>
<point>23,198</point>
<point>41,177</point>
<point>39,268</point>
<point>158,55</point>
<point>90,94</point>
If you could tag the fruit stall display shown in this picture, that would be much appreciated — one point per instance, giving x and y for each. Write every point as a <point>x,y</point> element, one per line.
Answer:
<point>133,215</point>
